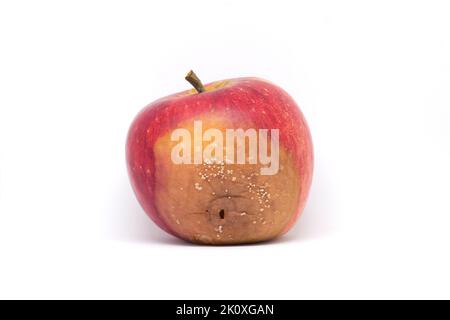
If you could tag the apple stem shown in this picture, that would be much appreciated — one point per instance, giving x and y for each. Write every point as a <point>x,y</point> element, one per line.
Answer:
<point>192,78</point>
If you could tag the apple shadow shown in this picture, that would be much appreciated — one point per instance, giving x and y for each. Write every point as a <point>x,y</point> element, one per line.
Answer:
<point>128,222</point>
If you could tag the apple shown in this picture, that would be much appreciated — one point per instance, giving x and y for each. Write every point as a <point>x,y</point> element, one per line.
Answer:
<point>229,162</point>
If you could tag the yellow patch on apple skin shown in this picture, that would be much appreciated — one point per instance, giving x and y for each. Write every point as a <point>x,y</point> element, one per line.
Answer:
<point>210,87</point>
<point>223,203</point>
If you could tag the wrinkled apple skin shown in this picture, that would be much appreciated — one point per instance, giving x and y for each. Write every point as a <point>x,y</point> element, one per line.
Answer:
<point>169,193</point>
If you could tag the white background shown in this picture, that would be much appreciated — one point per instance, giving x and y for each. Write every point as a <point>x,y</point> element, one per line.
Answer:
<point>372,78</point>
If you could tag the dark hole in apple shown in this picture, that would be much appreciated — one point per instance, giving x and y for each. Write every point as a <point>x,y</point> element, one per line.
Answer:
<point>222,214</point>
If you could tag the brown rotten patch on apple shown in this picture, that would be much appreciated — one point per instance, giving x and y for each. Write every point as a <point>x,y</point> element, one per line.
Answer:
<point>221,203</point>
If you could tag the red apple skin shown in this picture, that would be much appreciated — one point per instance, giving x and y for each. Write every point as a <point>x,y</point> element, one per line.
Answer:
<point>245,102</point>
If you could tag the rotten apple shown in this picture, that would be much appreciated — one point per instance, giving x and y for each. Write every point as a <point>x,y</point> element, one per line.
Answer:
<point>228,162</point>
